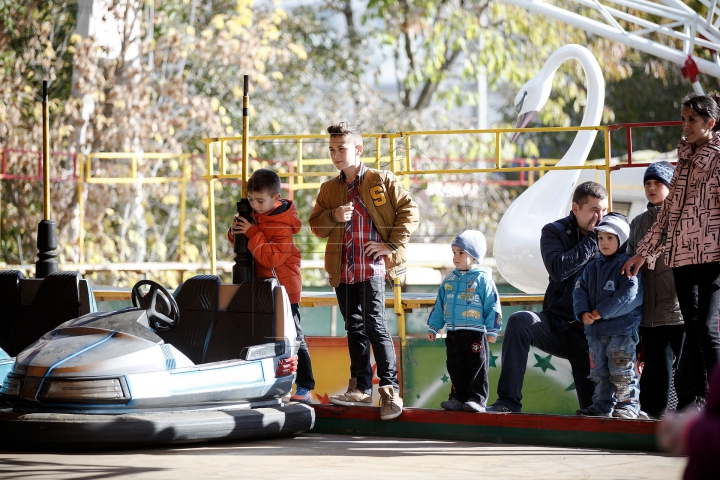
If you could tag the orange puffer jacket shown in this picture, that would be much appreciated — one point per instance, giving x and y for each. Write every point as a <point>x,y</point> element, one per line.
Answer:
<point>270,240</point>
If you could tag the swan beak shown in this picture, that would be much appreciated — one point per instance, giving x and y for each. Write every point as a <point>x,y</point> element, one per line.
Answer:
<point>523,120</point>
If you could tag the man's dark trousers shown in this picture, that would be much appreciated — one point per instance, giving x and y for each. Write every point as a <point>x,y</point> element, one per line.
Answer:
<point>526,329</point>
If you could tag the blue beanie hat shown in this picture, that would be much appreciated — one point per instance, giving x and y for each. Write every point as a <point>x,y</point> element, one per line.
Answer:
<point>473,242</point>
<point>660,171</point>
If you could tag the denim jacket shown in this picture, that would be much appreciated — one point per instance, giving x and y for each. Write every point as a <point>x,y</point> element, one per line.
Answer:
<point>618,299</point>
<point>467,301</point>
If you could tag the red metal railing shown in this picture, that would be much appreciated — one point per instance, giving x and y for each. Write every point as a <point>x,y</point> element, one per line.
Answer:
<point>628,136</point>
<point>9,176</point>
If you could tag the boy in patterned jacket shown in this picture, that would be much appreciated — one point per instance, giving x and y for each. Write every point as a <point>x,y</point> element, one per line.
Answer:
<point>469,305</point>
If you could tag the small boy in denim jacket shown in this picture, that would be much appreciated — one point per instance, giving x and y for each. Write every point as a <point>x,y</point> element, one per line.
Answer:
<point>610,306</point>
<point>469,305</point>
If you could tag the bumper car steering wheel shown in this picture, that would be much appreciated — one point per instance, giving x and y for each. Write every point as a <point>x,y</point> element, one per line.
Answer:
<point>162,309</point>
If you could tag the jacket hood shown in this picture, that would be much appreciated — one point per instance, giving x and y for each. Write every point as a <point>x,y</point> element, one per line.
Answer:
<point>474,269</point>
<point>286,214</point>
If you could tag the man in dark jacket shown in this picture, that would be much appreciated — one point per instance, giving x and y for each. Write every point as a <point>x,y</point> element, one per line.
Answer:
<point>566,245</point>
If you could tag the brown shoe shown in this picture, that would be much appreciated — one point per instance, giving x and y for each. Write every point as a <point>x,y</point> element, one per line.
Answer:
<point>391,405</point>
<point>353,397</point>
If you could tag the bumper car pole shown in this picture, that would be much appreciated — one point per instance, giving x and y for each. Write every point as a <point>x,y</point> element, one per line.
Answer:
<point>244,268</point>
<point>47,235</point>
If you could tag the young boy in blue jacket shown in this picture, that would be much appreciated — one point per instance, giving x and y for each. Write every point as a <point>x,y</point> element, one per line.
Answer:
<point>469,305</point>
<point>610,306</point>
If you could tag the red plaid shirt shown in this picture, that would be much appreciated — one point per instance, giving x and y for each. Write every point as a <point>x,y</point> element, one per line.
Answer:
<point>358,267</point>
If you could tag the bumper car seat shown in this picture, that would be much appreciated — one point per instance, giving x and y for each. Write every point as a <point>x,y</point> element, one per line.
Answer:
<point>9,305</point>
<point>45,303</point>
<point>249,320</point>
<point>197,301</point>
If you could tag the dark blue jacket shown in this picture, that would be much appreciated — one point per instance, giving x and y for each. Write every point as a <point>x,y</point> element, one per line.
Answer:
<point>618,299</point>
<point>565,251</point>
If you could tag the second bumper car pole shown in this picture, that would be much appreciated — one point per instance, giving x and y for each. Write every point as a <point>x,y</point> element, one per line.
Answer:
<point>47,235</point>
<point>244,268</point>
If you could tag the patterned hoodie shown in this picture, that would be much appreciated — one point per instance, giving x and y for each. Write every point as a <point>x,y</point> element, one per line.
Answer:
<point>688,225</point>
<point>467,301</point>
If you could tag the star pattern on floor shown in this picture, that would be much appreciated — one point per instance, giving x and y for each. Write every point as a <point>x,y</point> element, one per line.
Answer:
<point>543,363</point>
<point>444,378</point>
<point>571,387</point>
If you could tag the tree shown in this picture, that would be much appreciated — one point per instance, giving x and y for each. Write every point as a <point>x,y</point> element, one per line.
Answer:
<point>159,92</point>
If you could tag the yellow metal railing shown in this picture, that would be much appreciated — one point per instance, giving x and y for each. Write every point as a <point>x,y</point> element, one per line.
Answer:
<point>401,167</point>
<point>216,158</point>
<point>85,175</point>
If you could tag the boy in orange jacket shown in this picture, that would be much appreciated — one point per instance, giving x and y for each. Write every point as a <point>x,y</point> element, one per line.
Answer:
<point>270,240</point>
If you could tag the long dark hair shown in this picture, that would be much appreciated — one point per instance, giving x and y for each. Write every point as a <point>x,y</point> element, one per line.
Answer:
<point>707,106</point>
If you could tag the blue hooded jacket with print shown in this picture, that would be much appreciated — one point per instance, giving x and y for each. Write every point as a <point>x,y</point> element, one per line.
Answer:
<point>467,301</point>
<point>618,299</point>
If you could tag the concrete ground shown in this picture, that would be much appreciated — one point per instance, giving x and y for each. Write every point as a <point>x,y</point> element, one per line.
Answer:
<point>318,457</point>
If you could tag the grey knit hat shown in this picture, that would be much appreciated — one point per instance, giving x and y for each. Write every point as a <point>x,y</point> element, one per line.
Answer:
<point>660,171</point>
<point>617,224</point>
<point>473,242</point>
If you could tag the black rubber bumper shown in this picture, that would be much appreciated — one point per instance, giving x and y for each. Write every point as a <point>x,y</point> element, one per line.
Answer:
<point>64,431</point>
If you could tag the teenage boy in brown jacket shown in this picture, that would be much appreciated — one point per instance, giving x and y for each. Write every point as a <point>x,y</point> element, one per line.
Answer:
<point>367,217</point>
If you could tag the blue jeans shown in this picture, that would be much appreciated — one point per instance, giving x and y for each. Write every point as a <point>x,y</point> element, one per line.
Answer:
<point>362,305</point>
<point>612,368</point>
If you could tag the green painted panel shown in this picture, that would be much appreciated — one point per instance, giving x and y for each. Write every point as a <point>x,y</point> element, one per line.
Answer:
<point>548,386</point>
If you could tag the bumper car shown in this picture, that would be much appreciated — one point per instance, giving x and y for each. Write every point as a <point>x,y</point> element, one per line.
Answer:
<point>213,363</point>
<point>6,363</point>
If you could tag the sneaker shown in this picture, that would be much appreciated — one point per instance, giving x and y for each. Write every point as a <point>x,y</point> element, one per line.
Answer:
<point>302,395</point>
<point>353,397</point>
<point>644,416</point>
<point>452,404</point>
<point>473,407</point>
<point>624,412</point>
<point>697,405</point>
<point>591,411</point>
<point>498,408</point>
<point>391,405</point>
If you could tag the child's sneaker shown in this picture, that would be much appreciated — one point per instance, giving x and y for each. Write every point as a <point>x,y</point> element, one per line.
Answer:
<point>498,408</point>
<point>473,407</point>
<point>591,411</point>
<point>353,397</point>
<point>302,395</point>
<point>391,405</point>
<point>452,404</point>
<point>644,416</point>
<point>624,412</point>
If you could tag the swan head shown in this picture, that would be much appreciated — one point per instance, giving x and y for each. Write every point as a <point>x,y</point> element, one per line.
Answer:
<point>531,98</point>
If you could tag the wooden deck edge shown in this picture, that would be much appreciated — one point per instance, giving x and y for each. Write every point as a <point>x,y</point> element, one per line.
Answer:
<point>524,429</point>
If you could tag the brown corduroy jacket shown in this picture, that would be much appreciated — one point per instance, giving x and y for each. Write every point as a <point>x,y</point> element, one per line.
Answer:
<point>390,206</point>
